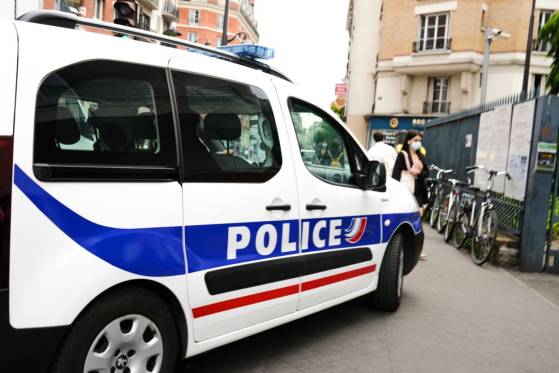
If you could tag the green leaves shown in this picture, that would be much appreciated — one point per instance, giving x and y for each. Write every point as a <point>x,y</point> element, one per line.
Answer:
<point>550,34</point>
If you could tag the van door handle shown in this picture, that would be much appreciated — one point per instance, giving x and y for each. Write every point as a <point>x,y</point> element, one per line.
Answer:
<point>278,207</point>
<point>311,207</point>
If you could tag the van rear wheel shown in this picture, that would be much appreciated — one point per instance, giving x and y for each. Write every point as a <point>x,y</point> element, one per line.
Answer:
<point>128,331</point>
<point>391,278</point>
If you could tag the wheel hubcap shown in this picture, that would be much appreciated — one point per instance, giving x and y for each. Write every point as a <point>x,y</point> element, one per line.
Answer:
<point>129,344</point>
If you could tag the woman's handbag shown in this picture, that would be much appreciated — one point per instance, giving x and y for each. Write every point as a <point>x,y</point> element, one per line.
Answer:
<point>407,178</point>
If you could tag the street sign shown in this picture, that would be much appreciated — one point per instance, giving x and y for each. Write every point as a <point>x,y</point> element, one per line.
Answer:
<point>341,89</point>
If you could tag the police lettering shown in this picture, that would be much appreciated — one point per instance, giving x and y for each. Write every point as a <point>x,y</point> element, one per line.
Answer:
<point>267,239</point>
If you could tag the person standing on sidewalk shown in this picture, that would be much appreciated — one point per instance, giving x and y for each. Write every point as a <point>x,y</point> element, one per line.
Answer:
<point>382,153</point>
<point>411,170</point>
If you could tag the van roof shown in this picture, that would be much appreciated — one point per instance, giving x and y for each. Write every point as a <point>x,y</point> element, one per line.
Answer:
<point>71,21</point>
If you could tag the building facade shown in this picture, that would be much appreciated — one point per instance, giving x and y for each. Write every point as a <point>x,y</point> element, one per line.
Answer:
<point>363,25</point>
<point>430,55</point>
<point>198,21</point>
<point>153,15</point>
<point>201,21</point>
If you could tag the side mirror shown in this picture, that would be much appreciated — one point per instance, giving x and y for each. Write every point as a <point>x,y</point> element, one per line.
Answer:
<point>376,176</point>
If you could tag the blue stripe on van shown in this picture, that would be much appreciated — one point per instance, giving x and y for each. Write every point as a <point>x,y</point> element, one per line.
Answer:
<point>143,251</point>
<point>206,245</point>
<point>158,251</point>
<point>395,220</point>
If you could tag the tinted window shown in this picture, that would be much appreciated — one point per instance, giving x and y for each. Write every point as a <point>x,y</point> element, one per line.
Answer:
<point>324,146</point>
<point>105,113</point>
<point>227,129</point>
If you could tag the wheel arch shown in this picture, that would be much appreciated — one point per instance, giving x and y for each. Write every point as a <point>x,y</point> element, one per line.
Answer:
<point>160,291</point>
<point>413,244</point>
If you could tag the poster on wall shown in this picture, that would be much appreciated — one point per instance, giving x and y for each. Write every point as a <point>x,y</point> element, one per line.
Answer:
<point>545,160</point>
<point>519,149</point>
<point>492,146</point>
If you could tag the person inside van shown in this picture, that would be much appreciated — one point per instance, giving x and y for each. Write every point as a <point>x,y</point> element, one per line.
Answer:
<point>323,156</point>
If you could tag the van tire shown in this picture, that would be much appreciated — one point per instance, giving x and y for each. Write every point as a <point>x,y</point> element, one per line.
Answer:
<point>391,278</point>
<point>122,303</point>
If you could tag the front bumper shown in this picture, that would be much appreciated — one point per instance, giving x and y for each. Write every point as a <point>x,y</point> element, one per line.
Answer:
<point>26,350</point>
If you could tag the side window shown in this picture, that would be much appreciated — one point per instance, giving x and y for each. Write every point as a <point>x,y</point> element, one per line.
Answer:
<point>325,147</point>
<point>105,113</point>
<point>227,130</point>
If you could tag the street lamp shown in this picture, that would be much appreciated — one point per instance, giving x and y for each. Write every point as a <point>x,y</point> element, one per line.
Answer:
<point>488,35</point>
<point>224,40</point>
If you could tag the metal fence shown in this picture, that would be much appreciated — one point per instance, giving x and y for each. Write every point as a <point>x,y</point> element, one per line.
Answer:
<point>451,142</point>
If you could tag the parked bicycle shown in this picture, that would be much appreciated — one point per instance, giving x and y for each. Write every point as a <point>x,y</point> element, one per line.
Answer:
<point>449,209</point>
<point>435,193</point>
<point>477,219</point>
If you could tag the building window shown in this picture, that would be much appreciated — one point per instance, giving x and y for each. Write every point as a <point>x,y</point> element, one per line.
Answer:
<point>98,7</point>
<point>545,15</point>
<point>193,37</point>
<point>220,22</point>
<point>194,17</point>
<point>439,93</point>
<point>144,22</point>
<point>433,33</point>
<point>61,5</point>
<point>538,84</point>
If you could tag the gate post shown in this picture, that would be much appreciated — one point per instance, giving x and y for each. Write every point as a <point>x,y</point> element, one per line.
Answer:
<point>538,188</point>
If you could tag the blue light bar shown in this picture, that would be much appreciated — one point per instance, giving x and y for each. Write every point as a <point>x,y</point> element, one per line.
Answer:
<point>250,51</point>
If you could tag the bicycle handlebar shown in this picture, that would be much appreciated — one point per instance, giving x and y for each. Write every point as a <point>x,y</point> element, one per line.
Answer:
<point>440,171</point>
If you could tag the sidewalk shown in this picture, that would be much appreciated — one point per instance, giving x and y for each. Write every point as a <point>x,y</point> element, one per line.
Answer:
<point>543,284</point>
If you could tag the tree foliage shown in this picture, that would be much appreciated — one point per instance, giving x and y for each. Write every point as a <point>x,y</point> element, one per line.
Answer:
<point>550,34</point>
<point>337,110</point>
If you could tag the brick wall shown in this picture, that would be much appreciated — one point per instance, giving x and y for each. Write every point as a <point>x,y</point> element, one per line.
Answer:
<point>400,25</point>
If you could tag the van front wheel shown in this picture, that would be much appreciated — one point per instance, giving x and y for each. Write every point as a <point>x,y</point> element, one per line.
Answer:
<point>391,278</point>
<point>131,331</point>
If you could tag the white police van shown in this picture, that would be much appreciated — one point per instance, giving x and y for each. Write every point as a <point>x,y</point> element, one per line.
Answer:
<point>155,202</point>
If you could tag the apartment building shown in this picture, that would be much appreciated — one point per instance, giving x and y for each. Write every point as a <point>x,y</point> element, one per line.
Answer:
<point>201,21</point>
<point>430,57</point>
<point>153,15</point>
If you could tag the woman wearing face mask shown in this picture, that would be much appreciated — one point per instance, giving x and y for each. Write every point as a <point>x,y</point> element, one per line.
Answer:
<point>410,168</point>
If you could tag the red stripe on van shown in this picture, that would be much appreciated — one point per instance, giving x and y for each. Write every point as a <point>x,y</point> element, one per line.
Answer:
<point>313,284</point>
<point>278,293</point>
<point>244,301</point>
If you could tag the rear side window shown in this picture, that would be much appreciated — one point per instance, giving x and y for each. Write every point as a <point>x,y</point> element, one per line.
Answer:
<point>105,113</point>
<point>227,130</point>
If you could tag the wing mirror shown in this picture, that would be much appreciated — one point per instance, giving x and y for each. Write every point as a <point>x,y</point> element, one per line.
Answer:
<point>374,177</point>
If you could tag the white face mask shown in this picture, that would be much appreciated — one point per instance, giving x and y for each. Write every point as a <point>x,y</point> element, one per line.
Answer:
<point>416,145</point>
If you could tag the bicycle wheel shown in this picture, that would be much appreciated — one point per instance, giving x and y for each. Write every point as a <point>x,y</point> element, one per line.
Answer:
<point>482,244</point>
<point>443,214</point>
<point>435,210</point>
<point>461,229</point>
<point>449,228</point>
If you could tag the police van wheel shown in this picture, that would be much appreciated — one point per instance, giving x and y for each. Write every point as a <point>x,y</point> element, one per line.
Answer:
<point>129,331</point>
<point>391,278</point>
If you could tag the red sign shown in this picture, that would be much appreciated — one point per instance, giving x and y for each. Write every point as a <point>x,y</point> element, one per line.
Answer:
<point>341,89</point>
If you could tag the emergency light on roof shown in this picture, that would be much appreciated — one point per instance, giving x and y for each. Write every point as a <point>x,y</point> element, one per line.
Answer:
<point>250,51</point>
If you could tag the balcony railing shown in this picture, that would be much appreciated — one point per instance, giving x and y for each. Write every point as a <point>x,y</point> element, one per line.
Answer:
<point>170,10</point>
<point>431,45</point>
<point>438,107</point>
<point>540,47</point>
